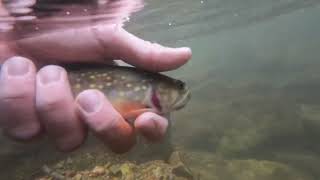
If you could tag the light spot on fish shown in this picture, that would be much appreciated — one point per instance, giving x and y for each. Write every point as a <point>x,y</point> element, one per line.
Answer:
<point>100,86</point>
<point>83,74</point>
<point>123,77</point>
<point>77,86</point>
<point>109,78</point>
<point>115,81</point>
<point>78,79</point>
<point>121,93</point>
<point>108,84</point>
<point>129,93</point>
<point>92,85</point>
<point>92,77</point>
<point>137,88</point>
<point>144,87</point>
<point>129,85</point>
<point>105,74</point>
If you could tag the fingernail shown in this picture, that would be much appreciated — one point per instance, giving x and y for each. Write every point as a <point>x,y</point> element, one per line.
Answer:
<point>152,122</point>
<point>160,124</point>
<point>50,74</point>
<point>89,101</point>
<point>17,66</point>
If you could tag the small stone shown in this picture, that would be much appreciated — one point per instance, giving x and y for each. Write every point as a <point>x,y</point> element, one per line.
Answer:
<point>106,166</point>
<point>97,171</point>
<point>89,156</point>
<point>175,158</point>
<point>69,160</point>
<point>127,171</point>
<point>179,168</point>
<point>57,176</point>
<point>70,173</point>
<point>44,178</point>
<point>114,169</point>
<point>60,165</point>
<point>182,171</point>
<point>85,173</point>
<point>157,172</point>
<point>77,177</point>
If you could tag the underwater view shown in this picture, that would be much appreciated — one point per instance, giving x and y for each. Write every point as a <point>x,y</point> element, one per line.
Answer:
<point>254,80</point>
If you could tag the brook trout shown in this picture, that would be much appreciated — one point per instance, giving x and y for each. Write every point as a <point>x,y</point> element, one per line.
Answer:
<point>131,91</point>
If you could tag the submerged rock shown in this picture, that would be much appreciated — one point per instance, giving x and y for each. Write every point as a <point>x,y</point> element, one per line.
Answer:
<point>213,167</point>
<point>185,165</point>
<point>179,168</point>
<point>175,168</point>
<point>97,171</point>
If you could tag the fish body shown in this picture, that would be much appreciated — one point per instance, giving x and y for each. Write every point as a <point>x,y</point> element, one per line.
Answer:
<point>131,91</point>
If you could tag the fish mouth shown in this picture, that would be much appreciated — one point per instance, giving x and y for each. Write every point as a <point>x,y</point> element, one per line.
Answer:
<point>182,100</point>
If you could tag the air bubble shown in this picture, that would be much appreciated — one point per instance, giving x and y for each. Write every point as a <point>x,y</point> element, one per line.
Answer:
<point>127,19</point>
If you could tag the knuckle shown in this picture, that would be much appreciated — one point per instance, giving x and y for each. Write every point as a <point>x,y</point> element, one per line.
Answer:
<point>49,104</point>
<point>15,98</point>
<point>99,33</point>
<point>23,132</point>
<point>110,127</point>
<point>15,92</point>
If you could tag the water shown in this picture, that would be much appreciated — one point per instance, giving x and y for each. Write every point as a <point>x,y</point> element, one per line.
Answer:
<point>255,109</point>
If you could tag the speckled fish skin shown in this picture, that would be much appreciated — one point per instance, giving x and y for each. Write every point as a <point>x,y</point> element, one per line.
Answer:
<point>131,91</point>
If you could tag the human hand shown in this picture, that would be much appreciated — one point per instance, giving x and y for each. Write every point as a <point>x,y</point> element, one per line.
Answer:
<point>32,102</point>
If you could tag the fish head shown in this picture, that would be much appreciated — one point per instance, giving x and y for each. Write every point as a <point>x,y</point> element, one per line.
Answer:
<point>170,95</point>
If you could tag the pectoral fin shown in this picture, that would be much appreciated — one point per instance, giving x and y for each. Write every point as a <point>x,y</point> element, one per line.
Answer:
<point>130,110</point>
<point>134,114</point>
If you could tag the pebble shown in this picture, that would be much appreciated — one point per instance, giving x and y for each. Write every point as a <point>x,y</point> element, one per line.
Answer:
<point>77,177</point>
<point>97,171</point>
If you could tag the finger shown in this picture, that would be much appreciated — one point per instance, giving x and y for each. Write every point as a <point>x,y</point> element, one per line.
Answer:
<point>152,126</point>
<point>61,46</point>
<point>151,56</point>
<point>5,51</point>
<point>99,43</point>
<point>17,93</point>
<point>56,108</point>
<point>105,121</point>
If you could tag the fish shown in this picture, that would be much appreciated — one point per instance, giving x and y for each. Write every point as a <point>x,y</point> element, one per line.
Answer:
<point>131,91</point>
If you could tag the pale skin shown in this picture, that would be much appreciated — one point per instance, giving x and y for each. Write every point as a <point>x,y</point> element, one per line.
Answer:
<point>34,101</point>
